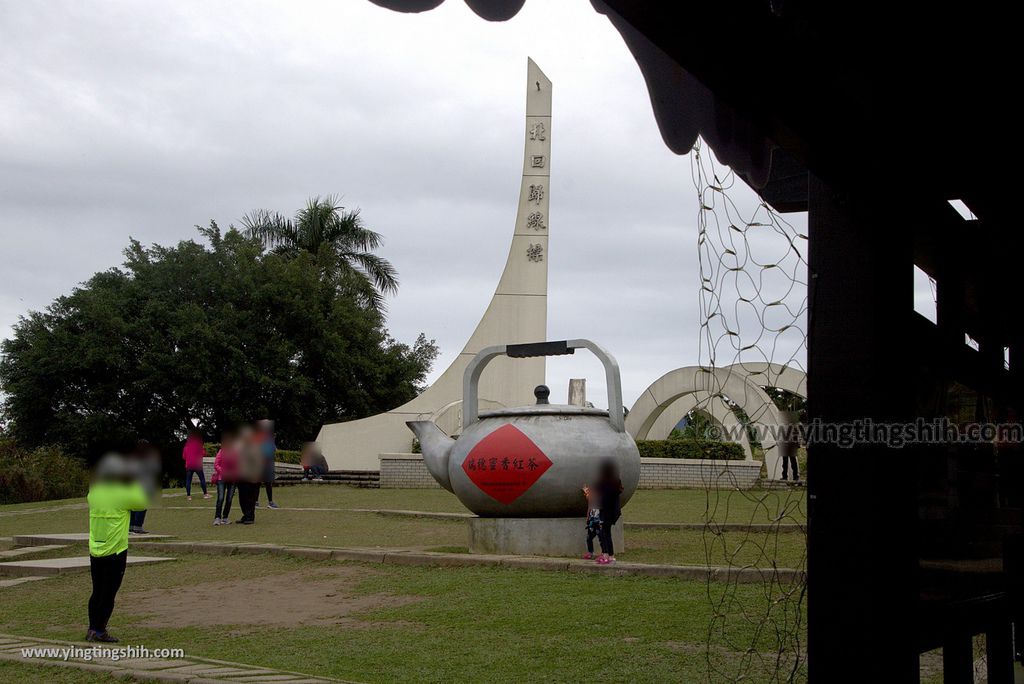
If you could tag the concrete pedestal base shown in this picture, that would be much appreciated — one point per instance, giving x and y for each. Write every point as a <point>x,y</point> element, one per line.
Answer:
<point>535,536</point>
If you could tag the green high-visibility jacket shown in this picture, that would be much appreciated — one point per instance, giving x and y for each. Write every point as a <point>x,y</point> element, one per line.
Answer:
<point>109,505</point>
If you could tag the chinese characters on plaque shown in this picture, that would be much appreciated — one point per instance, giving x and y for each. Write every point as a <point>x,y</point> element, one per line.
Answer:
<point>538,131</point>
<point>535,252</point>
<point>537,161</point>
<point>503,464</point>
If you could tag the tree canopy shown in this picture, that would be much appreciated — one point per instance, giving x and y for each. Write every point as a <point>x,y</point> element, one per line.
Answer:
<point>207,335</point>
<point>342,245</point>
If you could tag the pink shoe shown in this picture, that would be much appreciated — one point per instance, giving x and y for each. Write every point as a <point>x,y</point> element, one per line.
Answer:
<point>588,556</point>
<point>604,560</point>
<point>206,496</point>
<point>188,498</point>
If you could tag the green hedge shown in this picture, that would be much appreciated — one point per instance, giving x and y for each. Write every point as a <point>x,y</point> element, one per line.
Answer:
<point>39,475</point>
<point>282,455</point>
<point>690,448</point>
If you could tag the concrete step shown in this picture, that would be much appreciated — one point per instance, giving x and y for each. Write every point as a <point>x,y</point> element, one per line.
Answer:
<point>783,484</point>
<point>50,567</point>
<point>29,550</point>
<point>353,478</point>
<point>72,538</point>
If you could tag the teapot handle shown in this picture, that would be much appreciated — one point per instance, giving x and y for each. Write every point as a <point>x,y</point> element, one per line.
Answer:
<point>471,378</point>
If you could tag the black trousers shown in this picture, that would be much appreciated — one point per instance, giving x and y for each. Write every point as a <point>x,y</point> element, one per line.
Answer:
<point>605,539</point>
<point>107,573</point>
<point>247,493</point>
<point>590,539</point>
<point>786,460</point>
<point>269,486</point>
<point>137,519</point>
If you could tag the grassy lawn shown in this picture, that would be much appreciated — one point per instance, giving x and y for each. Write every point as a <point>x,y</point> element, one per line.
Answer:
<point>338,525</point>
<point>384,623</point>
<point>683,505</point>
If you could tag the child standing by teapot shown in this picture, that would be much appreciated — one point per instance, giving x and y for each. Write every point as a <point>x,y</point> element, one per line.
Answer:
<point>593,524</point>
<point>604,508</point>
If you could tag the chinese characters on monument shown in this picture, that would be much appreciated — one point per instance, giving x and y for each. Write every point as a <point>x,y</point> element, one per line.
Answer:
<point>536,194</point>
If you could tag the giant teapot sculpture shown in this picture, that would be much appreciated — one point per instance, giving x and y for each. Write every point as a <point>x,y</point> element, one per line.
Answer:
<point>530,461</point>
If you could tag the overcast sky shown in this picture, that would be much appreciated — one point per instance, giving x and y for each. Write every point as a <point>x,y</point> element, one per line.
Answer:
<point>123,119</point>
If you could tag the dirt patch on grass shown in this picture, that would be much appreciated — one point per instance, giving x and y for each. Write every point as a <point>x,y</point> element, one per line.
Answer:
<point>321,596</point>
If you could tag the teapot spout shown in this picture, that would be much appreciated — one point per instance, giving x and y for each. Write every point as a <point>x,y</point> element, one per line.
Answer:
<point>437,449</point>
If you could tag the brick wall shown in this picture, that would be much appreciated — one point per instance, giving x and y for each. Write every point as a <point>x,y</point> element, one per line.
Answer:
<point>680,473</point>
<point>406,471</point>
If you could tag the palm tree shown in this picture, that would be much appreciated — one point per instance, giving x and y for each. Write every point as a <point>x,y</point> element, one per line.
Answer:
<point>324,228</point>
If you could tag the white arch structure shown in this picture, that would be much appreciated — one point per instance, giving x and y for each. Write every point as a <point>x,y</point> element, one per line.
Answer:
<point>713,406</point>
<point>676,393</point>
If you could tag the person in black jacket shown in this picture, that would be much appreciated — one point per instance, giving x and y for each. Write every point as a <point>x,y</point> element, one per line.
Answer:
<point>609,497</point>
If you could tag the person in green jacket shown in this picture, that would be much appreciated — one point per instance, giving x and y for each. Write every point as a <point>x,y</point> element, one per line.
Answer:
<point>113,494</point>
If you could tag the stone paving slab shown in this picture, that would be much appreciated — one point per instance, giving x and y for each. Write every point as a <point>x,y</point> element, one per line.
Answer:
<point>29,550</point>
<point>60,566</point>
<point>73,538</point>
<point>147,664</point>
<point>192,670</point>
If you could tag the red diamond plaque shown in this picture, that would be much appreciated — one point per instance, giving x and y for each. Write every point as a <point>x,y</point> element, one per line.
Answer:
<point>505,463</point>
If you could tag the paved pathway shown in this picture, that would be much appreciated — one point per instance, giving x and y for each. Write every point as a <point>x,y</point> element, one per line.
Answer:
<point>447,515</point>
<point>414,556</point>
<point>186,669</point>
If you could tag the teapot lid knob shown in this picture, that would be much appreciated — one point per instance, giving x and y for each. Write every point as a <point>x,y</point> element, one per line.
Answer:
<point>542,392</point>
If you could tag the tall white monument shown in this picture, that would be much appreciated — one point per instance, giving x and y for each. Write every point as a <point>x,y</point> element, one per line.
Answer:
<point>517,313</point>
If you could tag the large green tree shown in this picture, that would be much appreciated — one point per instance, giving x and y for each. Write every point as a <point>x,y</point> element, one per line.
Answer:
<point>337,238</point>
<point>208,335</point>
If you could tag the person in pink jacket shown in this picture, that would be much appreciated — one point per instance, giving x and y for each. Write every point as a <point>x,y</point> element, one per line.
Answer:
<point>193,453</point>
<point>225,474</point>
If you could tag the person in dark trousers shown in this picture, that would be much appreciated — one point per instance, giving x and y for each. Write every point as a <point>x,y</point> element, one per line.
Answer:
<point>788,444</point>
<point>609,498</point>
<point>789,460</point>
<point>114,493</point>
<point>268,450</point>
<point>250,470</point>
<point>148,460</point>
<point>593,522</point>
<point>225,475</point>
<point>193,453</point>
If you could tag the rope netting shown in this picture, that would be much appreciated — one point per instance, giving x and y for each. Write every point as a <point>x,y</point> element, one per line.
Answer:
<point>753,310</point>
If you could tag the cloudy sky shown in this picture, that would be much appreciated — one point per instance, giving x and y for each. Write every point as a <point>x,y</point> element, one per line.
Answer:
<point>123,119</point>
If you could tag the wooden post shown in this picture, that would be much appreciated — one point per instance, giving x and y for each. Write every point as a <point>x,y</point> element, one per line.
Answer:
<point>861,500</point>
